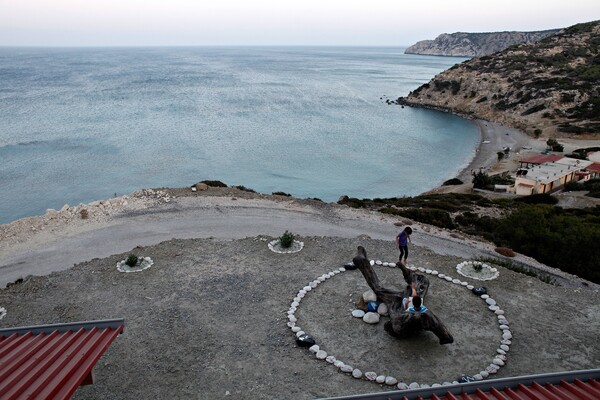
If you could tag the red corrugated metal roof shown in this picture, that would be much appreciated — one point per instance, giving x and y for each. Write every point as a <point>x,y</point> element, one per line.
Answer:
<point>52,361</point>
<point>570,385</point>
<point>593,167</point>
<point>542,158</point>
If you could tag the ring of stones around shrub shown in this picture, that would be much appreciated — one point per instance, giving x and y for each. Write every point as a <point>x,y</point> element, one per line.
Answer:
<point>276,247</point>
<point>469,269</point>
<point>146,262</point>
<point>498,361</point>
<point>2,312</point>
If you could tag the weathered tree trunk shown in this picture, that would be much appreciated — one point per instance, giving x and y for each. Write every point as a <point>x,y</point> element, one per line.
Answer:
<point>402,323</point>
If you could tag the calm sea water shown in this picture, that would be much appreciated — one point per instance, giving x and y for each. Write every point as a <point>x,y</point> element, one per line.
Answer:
<point>78,125</point>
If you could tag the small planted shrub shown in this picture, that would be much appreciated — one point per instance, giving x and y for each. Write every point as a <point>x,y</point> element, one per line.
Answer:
<point>505,251</point>
<point>286,240</point>
<point>131,260</point>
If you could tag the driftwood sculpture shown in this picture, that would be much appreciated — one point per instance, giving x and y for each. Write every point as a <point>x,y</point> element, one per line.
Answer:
<point>402,324</point>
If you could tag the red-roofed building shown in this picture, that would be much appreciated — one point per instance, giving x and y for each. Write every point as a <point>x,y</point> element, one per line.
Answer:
<point>577,385</point>
<point>52,361</point>
<point>539,159</point>
<point>594,170</point>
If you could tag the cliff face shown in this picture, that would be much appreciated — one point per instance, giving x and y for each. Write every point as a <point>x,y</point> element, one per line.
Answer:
<point>463,44</point>
<point>551,87</point>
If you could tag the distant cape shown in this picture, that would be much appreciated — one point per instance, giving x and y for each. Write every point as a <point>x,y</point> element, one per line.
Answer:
<point>463,44</point>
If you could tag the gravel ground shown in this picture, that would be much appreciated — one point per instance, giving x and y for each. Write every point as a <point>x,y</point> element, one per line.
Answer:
<point>208,319</point>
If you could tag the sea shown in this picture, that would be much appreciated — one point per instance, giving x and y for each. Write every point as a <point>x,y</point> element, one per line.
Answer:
<point>82,124</point>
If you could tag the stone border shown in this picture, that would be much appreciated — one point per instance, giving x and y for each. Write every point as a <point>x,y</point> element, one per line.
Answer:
<point>466,268</point>
<point>498,361</point>
<point>2,312</point>
<point>275,247</point>
<point>145,264</point>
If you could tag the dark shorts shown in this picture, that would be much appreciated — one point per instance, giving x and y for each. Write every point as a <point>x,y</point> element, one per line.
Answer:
<point>403,252</point>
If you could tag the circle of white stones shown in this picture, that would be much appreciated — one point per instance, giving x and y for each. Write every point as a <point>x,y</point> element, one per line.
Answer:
<point>145,264</point>
<point>468,269</point>
<point>2,312</point>
<point>498,360</point>
<point>275,247</point>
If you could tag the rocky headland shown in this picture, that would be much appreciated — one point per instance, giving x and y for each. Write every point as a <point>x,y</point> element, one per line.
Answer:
<point>548,88</point>
<point>475,44</point>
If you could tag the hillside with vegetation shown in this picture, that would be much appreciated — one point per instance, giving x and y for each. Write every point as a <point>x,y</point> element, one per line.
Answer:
<point>475,44</point>
<point>566,239</point>
<point>548,88</point>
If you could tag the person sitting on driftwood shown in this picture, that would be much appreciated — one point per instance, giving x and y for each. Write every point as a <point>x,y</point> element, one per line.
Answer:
<point>404,320</point>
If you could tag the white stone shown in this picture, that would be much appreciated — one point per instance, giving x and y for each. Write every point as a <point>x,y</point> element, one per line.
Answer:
<point>421,269</point>
<point>435,385</point>
<point>424,386</point>
<point>499,312</point>
<point>503,322</point>
<point>506,336</point>
<point>358,313</point>
<point>434,272</point>
<point>484,374</point>
<point>493,308</point>
<point>314,348</point>
<point>300,333</point>
<point>500,351</point>
<point>357,373</point>
<point>369,295</point>
<point>504,327</point>
<point>502,357</point>
<point>330,359</point>
<point>463,283</point>
<point>498,362</point>
<point>414,385</point>
<point>449,279</point>
<point>490,301</point>
<point>382,309</point>
<point>428,271</point>
<point>372,262</point>
<point>442,276</point>
<point>506,342</point>
<point>456,281</point>
<point>302,293</point>
<point>371,375</point>
<point>307,288</point>
<point>295,304</point>
<point>485,296</point>
<point>378,262</point>
<point>491,370</point>
<point>291,324</point>
<point>371,318</point>
<point>470,287</point>
<point>342,269</point>
<point>321,354</point>
<point>346,368</point>
<point>390,380</point>
<point>380,379</point>
<point>402,386</point>
<point>478,377</point>
<point>292,318</point>
<point>314,284</point>
<point>338,363</point>
<point>296,329</point>
<point>504,347</point>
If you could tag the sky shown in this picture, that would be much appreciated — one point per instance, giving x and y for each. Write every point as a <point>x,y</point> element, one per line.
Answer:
<point>273,22</point>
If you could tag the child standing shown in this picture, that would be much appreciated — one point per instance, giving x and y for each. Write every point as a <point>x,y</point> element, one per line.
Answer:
<point>402,240</point>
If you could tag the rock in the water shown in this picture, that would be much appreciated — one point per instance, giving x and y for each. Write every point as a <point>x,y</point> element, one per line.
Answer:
<point>390,380</point>
<point>371,318</point>
<point>321,354</point>
<point>380,379</point>
<point>305,341</point>
<point>358,313</point>
<point>357,373</point>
